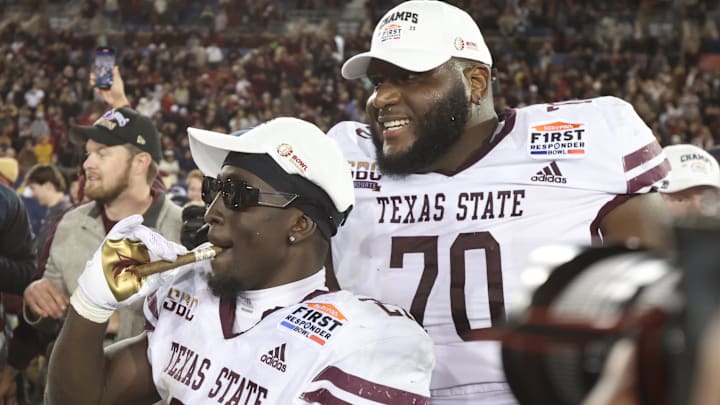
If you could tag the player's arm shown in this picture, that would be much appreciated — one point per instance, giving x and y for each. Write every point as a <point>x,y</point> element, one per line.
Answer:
<point>642,218</point>
<point>643,215</point>
<point>81,373</point>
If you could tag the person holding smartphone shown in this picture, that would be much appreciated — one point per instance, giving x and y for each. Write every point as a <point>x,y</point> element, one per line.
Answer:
<point>123,150</point>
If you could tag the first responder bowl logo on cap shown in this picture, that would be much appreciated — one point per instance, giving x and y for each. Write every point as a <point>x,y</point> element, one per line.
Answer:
<point>284,150</point>
<point>459,44</point>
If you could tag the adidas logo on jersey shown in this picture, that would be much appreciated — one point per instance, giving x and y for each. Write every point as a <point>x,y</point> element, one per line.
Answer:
<point>275,358</point>
<point>550,174</point>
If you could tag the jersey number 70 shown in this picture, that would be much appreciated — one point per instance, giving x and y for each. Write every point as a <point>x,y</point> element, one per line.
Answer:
<point>428,246</point>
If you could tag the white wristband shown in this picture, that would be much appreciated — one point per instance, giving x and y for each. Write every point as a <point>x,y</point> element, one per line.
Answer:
<point>87,309</point>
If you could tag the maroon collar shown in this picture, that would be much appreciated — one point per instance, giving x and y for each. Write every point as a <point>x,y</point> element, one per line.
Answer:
<point>507,118</point>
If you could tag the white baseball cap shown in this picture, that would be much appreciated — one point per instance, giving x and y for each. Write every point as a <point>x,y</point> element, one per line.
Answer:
<point>297,146</point>
<point>690,166</point>
<point>421,35</point>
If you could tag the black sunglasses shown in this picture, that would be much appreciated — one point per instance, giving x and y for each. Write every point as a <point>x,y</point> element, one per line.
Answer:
<point>238,195</point>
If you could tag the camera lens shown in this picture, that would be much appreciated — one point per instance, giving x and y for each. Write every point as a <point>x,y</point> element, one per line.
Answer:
<point>557,344</point>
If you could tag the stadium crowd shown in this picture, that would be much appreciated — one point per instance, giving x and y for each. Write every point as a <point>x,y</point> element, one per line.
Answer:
<point>666,67</point>
<point>227,65</point>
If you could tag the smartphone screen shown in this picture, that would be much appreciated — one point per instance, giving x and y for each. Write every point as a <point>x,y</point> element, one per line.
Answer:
<point>103,66</point>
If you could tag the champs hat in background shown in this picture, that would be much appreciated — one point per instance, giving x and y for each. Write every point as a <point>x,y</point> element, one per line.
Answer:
<point>690,166</point>
<point>118,127</point>
<point>419,36</point>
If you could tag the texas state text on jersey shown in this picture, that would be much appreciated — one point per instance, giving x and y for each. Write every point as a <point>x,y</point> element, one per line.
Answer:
<point>450,247</point>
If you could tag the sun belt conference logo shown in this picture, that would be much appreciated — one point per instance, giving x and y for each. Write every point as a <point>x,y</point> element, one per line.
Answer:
<point>284,150</point>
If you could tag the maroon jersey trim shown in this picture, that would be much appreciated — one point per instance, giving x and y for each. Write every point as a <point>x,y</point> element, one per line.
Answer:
<point>367,389</point>
<point>227,317</point>
<point>649,177</point>
<point>149,327</point>
<point>642,155</point>
<point>323,396</point>
<point>508,118</point>
<point>151,302</point>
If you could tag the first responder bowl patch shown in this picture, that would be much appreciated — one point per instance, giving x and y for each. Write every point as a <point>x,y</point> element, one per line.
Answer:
<point>317,322</point>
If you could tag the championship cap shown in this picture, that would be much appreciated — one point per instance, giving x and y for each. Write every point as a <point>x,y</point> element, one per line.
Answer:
<point>421,35</point>
<point>690,166</point>
<point>121,126</point>
<point>297,147</point>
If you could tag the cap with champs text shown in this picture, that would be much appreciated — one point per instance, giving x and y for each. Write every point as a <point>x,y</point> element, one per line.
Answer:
<point>419,36</point>
<point>690,166</point>
<point>121,126</point>
<point>297,146</point>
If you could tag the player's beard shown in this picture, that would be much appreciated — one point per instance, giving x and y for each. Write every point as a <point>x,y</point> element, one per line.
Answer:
<point>436,132</point>
<point>106,195</point>
<point>224,286</point>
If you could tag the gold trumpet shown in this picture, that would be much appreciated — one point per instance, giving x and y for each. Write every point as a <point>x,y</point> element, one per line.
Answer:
<point>126,264</point>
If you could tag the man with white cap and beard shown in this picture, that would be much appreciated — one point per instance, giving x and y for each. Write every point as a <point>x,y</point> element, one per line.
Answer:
<point>452,197</point>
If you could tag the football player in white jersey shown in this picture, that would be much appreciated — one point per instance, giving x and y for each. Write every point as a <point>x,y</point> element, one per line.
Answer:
<point>257,324</point>
<point>451,198</point>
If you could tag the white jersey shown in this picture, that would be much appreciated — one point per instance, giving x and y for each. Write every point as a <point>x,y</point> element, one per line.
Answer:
<point>326,348</point>
<point>450,247</point>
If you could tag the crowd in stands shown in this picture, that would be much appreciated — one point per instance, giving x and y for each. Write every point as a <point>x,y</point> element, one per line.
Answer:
<point>217,65</point>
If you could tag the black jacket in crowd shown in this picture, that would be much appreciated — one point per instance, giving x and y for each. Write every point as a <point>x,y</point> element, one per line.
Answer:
<point>17,254</point>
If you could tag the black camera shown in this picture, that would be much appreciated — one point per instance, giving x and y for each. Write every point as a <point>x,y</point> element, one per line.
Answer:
<point>578,302</point>
<point>193,231</point>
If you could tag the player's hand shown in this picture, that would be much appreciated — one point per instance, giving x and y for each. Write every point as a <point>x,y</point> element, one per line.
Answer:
<point>96,296</point>
<point>8,387</point>
<point>45,300</point>
<point>115,95</point>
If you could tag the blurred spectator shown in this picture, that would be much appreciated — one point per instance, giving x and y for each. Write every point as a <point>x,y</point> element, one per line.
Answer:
<point>169,168</point>
<point>9,171</point>
<point>48,187</point>
<point>193,184</point>
<point>34,95</point>
<point>75,189</point>
<point>67,155</point>
<point>39,127</point>
<point>17,261</point>
<point>44,150</point>
<point>26,157</point>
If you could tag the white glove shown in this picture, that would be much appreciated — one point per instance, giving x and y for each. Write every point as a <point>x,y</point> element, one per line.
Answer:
<point>94,299</point>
